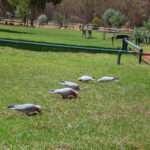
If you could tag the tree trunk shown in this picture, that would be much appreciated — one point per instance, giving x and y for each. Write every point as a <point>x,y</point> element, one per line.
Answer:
<point>32,22</point>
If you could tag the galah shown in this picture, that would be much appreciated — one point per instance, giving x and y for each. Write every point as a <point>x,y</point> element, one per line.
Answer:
<point>28,109</point>
<point>70,84</point>
<point>107,78</point>
<point>86,78</point>
<point>65,92</point>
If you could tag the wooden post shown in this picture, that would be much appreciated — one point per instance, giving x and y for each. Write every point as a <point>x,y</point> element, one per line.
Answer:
<point>124,44</point>
<point>112,39</point>
<point>140,55</point>
<point>119,58</point>
<point>104,35</point>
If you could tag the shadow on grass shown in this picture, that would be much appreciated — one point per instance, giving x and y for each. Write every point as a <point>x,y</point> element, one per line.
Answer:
<point>56,47</point>
<point>13,31</point>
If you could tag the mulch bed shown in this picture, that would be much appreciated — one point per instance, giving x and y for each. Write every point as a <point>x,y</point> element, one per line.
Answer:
<point>145,57</point>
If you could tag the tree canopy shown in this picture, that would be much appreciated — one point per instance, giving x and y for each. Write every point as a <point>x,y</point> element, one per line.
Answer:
<point>136,12</point>
<point>30,8</point>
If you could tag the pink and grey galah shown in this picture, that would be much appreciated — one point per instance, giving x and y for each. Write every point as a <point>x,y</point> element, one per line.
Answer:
<point>86,78</point>
<point>28,109</point>
<point>107,78</point>
<point>70,84</point>
<point>65,92</point>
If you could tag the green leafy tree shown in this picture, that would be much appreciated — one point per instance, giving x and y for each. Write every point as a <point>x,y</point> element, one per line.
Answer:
<point>137,35</point>
<point>23,11</point>
<point>147,24</point>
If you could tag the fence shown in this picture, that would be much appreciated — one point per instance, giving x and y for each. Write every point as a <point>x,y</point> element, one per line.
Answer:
<point>76,48</point>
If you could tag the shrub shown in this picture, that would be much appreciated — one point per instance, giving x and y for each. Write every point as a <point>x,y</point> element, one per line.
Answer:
<point>112,17</point>
<point>96,21</point>
<point>147,24</point>
<point>60,19</point>
<point>42,19</point>
<point>117,20</point>
<point>137,36</point>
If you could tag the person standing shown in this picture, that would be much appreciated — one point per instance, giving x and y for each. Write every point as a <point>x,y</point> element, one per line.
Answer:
<point>89,29</point>
<point>83,29</point>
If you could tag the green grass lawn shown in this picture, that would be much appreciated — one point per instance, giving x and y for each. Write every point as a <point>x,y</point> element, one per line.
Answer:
<point>54,36</point>
<point>59,36</point>
<point>106,116</point>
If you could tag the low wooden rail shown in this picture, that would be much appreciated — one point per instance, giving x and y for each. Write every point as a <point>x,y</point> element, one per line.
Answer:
<point>67,48</point>
<point>62,47</point>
